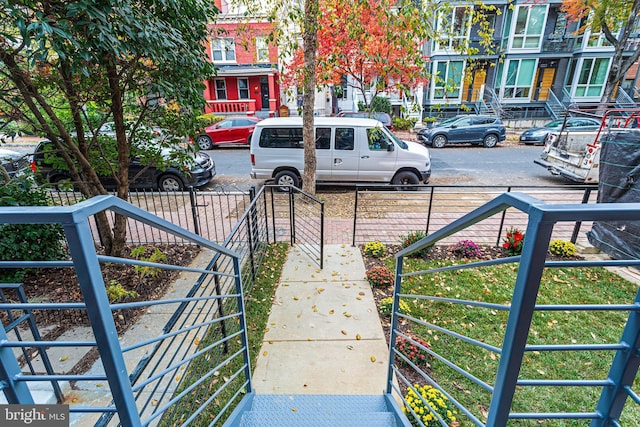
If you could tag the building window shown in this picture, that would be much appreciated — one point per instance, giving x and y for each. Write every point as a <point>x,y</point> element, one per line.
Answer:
<point>221,89</point>
<point>519,78</point>
<point>341,89</point>
<point>529,26</point>
<point>455,27</point>
<point>447,80</point>
<point>592,77</point>
<point>243,88</point>
<point>223,49</point>
<point>262,49</point>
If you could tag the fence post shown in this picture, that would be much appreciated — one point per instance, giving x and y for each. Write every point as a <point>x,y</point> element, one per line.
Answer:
<point>504,213</point>
<point>576,229</point>
<point>266,220</point>
<point>273,215</point>
<point>223,326</point>
<point>243,323</point>
<point>429,210</point>
<point>16,392</point>
<point>355,216</point>
<point>194,210</point>
<point>394,322</point>
<point>292,216</point>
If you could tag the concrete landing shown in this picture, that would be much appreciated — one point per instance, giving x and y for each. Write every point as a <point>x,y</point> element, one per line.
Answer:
<point>323,335</point>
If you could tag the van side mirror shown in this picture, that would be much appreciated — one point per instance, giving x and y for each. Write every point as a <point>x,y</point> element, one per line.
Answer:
<point>390,147</point>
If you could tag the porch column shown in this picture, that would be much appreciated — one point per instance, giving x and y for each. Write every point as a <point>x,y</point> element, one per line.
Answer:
<point>273,104</point>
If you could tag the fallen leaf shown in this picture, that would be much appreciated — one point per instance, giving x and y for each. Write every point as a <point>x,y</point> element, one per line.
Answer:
<point>63,358</point>
<point>373,359</point>
<point>343,332</point>
<point>358,337</point>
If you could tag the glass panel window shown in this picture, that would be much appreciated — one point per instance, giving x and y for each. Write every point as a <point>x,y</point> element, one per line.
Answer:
<point>323,138</point>
<point>519,78</point>
<point>377,140</point>
<point>223,49</point>
<point>262,49</point>
<point>454,28</point>
<point>243,88</point>
<point>529,26</point>
<point>344,139</point>
<point>221,89</point>
<point>593,74</point>
<point>448,79</point>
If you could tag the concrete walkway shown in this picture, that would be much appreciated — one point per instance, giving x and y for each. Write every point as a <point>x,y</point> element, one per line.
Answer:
<point>324,335</point>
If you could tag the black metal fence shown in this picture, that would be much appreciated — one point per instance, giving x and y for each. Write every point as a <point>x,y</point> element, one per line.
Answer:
<point>386,216</point>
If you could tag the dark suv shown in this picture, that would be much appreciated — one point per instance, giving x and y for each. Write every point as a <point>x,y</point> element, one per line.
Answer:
<point>173,178</point>
<point>475,130</point>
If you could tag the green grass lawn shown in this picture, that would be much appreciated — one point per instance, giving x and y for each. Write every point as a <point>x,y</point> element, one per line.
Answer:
<point>495,284</point>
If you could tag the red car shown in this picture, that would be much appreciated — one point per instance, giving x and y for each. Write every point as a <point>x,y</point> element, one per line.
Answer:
<point>233,130</point>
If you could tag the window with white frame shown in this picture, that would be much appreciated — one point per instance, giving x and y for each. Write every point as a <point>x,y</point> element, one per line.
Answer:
<point>529,26</point>
<point>262,49</point>
<point>592,77</point>
<point>221,89</point>
<point>447,80</point>
<point>243,88</point>
<point>230,7</point>
<point>519,78</point>
<point>454,28</point>
<point>223,49</point>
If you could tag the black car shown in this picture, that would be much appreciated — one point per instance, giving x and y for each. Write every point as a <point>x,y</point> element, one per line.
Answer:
<point>475,130</point>
<point>172,178</point>
<point>539,135</point>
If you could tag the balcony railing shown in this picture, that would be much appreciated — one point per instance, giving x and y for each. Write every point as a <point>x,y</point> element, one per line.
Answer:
<point>244,106</point>
<point>558,45</point>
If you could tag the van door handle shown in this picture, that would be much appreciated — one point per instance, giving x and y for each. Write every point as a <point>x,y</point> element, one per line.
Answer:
<point>364,157</point>
<point>337,161</point>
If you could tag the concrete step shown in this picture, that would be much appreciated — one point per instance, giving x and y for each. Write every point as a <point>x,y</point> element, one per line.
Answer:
<point>318,410</point>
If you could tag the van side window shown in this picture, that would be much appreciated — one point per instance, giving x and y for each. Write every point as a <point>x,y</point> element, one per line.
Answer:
<point>323,138</point>
<point>281,138</point>
<point>344,138</point>
<point>377,140</point>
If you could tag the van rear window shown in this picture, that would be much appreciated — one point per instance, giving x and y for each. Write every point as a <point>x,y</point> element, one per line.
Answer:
<point>281,138</point>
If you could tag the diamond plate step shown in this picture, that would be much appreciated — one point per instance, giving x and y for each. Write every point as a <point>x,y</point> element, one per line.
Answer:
<point>318,410</point>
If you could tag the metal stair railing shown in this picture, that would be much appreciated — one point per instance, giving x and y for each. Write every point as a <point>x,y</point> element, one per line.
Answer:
<point>623,100</point>
<point>554,106</point>
<point>496,388</point>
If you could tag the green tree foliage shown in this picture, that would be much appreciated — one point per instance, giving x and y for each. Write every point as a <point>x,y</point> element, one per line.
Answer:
<point>27,242</point>
<point>68,67</point>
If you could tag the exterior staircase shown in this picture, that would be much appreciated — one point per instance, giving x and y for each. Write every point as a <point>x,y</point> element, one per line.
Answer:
<point>309,410</point>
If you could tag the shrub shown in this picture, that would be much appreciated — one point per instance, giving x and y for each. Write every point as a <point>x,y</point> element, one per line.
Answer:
<point>400,123</point>
<point>380,276</point>
<point>381,104</point>
<point>209,119</point>
<point>375,249</point>
<point>143,271</point>
<point>27,242</point>
<point>415,354</point>
<point>436,400</point>
<point>513,241</point>
<point>413,237</point>
<point>467,249</point>
<point>386,307</point>
<point>116,292</point>
<point>562,248</point>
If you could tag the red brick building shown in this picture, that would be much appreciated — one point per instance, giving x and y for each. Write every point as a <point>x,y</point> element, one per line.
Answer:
<point>247,78</point>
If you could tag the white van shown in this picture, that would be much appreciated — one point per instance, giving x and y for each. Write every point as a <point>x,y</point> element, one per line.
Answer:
<point>347,150</point>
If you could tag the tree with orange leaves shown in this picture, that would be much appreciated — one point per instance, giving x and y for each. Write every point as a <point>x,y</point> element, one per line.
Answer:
<point>616,19</point>
<point>376,43</point>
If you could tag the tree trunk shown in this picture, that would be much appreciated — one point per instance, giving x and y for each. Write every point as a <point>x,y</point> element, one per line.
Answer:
<point>309,95</point>
<point>117,109</point>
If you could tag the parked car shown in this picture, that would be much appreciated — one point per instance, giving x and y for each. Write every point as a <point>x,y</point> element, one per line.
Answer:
<point>234,130</point>
<point>171,178</point>
<point>475,130</point>
<point>13,162</point>
<point>539,135</point>
<point>383,118</point>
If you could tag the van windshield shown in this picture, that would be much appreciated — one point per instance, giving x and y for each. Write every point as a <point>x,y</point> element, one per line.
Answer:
<point>400,143</point>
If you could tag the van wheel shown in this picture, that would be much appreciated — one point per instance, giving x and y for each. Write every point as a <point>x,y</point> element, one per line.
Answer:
<point>170,183</point>
<point>405,178</point>
<point>287,178</point>
<point>490,141</point>
<point>439,141</point>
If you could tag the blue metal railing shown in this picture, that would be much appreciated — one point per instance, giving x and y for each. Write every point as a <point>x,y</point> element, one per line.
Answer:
<point>614,390</point>
<point>137,399</point>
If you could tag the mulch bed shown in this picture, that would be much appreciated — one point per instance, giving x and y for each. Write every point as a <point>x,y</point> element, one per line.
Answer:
<point>60,285</point>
